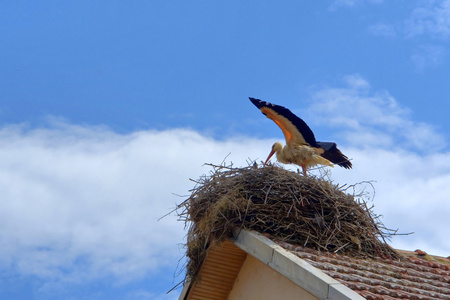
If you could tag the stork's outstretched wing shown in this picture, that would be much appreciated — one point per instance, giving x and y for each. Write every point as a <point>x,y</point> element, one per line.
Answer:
<point>294,129</point>
<point>333,154</point>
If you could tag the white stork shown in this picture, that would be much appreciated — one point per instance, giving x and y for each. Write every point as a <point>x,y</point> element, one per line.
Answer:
<point>301,146</point>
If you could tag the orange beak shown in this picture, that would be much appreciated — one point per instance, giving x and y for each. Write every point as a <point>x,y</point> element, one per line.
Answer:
<point>270,155</point>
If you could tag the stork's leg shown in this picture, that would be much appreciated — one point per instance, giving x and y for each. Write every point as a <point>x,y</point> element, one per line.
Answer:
<point>304,170</point>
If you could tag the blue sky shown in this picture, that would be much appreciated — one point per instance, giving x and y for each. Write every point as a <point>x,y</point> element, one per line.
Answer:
<point>107,108</point>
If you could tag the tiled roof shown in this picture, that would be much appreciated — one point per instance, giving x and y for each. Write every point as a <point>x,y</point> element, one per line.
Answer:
<point>418,276</point>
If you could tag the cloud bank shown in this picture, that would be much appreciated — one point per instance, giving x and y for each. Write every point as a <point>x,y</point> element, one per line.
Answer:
<point>83,203</point>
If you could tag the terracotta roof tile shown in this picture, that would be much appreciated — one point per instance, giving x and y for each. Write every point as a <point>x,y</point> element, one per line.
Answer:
<point>418,276</point>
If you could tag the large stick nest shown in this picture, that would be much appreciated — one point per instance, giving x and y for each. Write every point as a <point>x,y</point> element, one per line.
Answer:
<point>290,207</point>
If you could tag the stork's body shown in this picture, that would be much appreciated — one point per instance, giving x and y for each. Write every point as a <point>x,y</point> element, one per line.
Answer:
<point>302,155</point>
<point>301,146</point>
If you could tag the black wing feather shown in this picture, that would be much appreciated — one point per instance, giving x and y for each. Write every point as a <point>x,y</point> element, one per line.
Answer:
<point>333,154</point>
<point>301,126</point>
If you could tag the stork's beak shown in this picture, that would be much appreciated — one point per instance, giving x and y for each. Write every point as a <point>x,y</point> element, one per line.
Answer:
<point>270,155</point>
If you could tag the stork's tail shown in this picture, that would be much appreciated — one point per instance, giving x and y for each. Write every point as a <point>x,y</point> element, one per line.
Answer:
<point>319,160</point>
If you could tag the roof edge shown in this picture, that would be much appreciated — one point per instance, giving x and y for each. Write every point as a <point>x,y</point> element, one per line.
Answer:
<point>292,267</point>
<point>186,288</point>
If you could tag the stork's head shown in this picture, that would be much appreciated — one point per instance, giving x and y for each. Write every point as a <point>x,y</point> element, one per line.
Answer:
<point>275,148</point>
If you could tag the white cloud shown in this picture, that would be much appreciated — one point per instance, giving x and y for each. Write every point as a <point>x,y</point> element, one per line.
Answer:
<point>338,3</point>
<point>431,17</point>
<point>383,29</point>
<point>428,56</point>
<point>351,3</point>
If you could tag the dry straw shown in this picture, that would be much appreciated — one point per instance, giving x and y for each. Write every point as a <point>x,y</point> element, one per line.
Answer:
<point>290,207</point>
